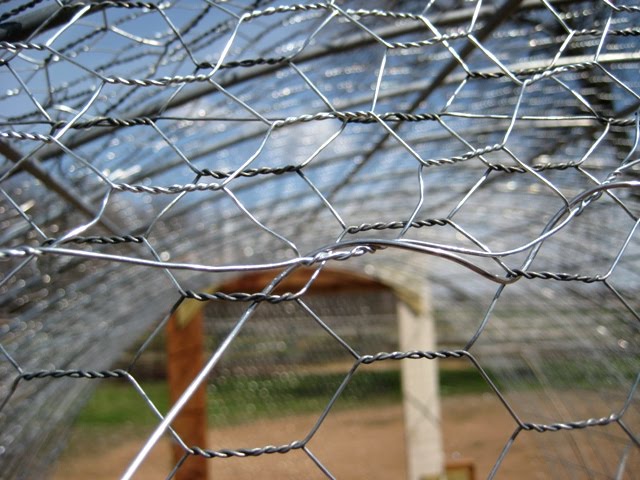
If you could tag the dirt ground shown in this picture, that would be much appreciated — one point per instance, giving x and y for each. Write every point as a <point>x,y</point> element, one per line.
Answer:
<point>365,443</point>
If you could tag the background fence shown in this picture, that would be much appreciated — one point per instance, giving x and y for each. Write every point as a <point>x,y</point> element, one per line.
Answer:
<point>485,151</point>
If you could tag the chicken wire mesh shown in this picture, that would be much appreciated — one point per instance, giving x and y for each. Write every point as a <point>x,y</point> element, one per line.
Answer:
<point>487,149</point>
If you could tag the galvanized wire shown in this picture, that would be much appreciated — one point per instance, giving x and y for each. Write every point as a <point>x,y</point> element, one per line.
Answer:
<point>153,149</point>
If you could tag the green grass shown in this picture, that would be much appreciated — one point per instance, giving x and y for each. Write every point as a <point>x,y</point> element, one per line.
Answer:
<point>238,399</point>
<point>117,403</point>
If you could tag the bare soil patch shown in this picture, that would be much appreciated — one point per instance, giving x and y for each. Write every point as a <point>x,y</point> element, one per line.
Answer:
<point>352,444</point>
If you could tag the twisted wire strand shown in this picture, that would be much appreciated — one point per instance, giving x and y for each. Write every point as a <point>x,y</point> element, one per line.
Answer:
<point>568,426</point>
<point>76,373</point>
<point>247,452</point>
<point>97,240</point>
<point>362,117</point>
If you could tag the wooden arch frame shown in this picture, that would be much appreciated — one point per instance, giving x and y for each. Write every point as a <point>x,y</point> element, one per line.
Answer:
<point>185,359</point>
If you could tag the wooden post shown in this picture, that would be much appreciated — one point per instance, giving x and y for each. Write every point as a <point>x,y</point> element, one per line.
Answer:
<point>421,400</point>
<point>185,359</point>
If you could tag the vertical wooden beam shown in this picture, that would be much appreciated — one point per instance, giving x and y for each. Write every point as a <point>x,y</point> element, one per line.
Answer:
<point>185,359</point>
<point>421,399</point>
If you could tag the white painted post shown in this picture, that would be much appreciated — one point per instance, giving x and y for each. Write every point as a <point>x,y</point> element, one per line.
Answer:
<point>421,399</point>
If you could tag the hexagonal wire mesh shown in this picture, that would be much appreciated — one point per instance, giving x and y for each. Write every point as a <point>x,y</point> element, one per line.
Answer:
<point>485,149</point>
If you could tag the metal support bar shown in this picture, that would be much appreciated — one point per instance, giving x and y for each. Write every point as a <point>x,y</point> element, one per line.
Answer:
<point>406,90</point>
<point>45,18</point>
<point>57,186</point>
<point>54,15</point>
<point>500,16</point>
<point>496,17</point>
